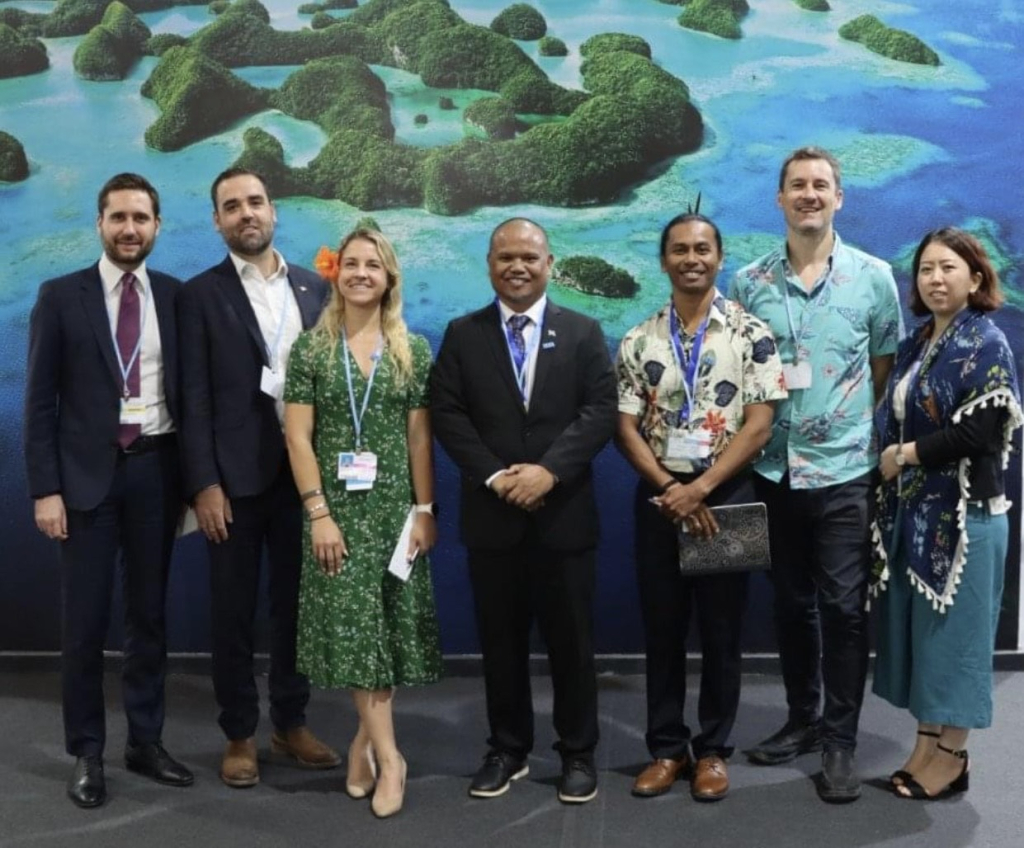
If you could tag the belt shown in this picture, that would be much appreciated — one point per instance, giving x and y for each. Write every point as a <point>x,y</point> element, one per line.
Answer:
<point>145,444</point>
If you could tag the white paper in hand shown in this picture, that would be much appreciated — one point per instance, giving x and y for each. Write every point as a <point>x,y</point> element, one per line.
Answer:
<point>400,564</point>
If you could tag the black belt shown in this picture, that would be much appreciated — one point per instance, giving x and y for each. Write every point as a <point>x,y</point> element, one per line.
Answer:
<point>145,444</point>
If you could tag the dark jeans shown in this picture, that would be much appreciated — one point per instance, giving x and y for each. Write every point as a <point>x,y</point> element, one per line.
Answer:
<point>667,600</point>
<point>510,588</point>
<point>820,543</point>
<point>272,518</point>
<point>138,517</point>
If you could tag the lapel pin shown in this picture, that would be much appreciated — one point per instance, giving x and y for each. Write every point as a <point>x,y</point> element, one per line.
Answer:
<point>551,332</point>
<point>302,288</point>
<point>548,345</point>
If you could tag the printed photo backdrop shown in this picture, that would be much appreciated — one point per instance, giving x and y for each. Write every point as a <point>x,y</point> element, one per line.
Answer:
<point>179,99</point>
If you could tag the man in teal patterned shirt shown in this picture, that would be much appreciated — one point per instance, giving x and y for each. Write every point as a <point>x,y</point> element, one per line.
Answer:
<point>836,316</point>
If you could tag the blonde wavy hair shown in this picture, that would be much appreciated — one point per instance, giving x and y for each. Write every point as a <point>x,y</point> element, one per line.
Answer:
<point>396,335</point>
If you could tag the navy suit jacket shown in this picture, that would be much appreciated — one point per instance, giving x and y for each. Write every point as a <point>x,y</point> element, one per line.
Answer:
<point>230,433</point>
<point>478,416</point>
<point>73,385</point>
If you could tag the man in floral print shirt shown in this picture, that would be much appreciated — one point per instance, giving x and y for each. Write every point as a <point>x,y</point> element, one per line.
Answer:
<point>697,382</point>
<point>835,313</point>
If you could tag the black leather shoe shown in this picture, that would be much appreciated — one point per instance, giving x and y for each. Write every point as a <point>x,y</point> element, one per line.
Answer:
<point>838,782</point>
<point>87,787</point>
<point>786,745</point>
<point>152,761</point>
<point>496,774</point>
<point>579,780</point>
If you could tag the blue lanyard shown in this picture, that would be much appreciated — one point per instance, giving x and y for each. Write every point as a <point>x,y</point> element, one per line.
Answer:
<point>127,369</point>
<point>357,417</point>
<point>522,372</point>
<point>687,364</point>
<point>285,307</point>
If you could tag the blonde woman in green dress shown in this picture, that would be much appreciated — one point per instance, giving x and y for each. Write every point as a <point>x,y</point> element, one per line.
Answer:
<point>360,446</point>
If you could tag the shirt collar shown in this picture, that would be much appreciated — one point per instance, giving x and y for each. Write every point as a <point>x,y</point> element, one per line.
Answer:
<point>535,313</point>
<point>245,268</point>
<point>716,312</point>
<point>788,268</point>
<point>111,275</point>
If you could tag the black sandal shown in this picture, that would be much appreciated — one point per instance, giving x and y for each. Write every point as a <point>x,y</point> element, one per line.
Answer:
<point>960,783</point>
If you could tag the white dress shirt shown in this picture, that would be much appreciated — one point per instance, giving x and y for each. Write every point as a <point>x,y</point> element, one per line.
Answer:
<point>151,362</point>
<point>270,297</point>
<point>536,315</point>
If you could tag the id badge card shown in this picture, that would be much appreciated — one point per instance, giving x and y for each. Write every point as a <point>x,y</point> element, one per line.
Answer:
<point>357,469</point>
<point>133,411</point>
<point>272,383</point>
<point>683,445</point>
<point>797,374</point>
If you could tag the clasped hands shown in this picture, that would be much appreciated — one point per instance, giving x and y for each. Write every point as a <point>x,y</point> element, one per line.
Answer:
<point>524,485</point>
<point>683,503</point>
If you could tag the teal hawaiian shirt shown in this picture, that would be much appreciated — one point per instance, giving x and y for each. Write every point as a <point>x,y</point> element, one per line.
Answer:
<point>822,435</point>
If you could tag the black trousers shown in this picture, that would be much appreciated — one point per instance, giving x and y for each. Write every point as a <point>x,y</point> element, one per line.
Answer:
<point>667,600</point>
<point>820,541</point>
<point>273,519</point>
<point>137,518</point>
<point>510,588</point>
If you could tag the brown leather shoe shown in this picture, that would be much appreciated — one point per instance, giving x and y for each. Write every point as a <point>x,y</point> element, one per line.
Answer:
<point>239,768</point>
<point>658,777</point>
<point>301,745</point>
<point>710,781</point>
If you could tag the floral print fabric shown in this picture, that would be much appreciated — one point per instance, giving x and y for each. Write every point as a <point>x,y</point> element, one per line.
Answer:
<point>738,365</point>
<point>364,628</point>
<point>822,435</point>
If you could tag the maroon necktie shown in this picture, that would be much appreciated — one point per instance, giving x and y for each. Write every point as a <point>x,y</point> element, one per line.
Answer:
<point>128,329</point>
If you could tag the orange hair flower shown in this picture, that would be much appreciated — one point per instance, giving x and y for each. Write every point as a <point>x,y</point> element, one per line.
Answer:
<point>327,263</point>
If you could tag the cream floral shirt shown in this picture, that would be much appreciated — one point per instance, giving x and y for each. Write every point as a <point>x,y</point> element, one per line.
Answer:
<point>738,365</point>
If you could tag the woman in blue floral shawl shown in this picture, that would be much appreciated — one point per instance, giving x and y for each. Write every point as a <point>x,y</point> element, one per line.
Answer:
<point>941,531</point>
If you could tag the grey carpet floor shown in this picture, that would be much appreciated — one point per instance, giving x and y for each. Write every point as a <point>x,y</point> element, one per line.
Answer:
<point>441,731</point>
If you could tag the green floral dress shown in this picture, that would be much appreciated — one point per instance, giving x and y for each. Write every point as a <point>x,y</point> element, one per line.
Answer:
<point>363,628</point>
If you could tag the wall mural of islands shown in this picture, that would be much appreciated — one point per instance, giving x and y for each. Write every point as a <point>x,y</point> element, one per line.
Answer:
<point>599,118</point>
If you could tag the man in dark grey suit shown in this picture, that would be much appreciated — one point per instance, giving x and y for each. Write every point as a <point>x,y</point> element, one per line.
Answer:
<point>522,399</point>
<point>238,321</point>
<point>102,461</point>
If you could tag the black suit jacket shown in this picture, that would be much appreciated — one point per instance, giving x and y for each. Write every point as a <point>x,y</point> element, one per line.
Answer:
<point>230,433</point>
<point>73,385</point>
<point>479,418</point>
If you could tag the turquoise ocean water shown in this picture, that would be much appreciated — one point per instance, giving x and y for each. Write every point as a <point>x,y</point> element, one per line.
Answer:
<point>921,147</point>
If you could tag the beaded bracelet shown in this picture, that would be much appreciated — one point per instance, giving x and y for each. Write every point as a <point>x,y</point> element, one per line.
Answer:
<point>305,496</point>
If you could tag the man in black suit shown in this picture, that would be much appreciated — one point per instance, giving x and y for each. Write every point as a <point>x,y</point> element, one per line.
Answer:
<point>102,461</point>
<point>523,398</point>
<point>238,322</point>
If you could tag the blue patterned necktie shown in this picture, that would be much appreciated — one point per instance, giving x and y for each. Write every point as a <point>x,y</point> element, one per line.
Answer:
<point>516,323</point>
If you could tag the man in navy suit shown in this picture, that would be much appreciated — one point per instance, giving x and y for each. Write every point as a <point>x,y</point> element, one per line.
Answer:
<point>522,399</point>
<point>238,321</point>
<point>102,460</point>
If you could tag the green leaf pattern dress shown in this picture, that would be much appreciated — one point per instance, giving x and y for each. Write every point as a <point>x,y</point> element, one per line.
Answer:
<point>363,628</point>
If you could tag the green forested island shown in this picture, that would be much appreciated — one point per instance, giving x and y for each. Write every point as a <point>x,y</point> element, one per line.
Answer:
<point>592,275</point>
<point>889,42</point>
<point>496,116</point>
<point>814,5</point>
<point>577,146</point>
<point>522,21</point>
<point>607,41</point>
<point>718,17</point>
<point>20,54</point>
<point>551,46</point>
<point>13,162</point>
<point>112,46</point>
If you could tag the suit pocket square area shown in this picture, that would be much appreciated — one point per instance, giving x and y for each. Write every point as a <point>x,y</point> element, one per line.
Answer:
<point>740,545</point>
